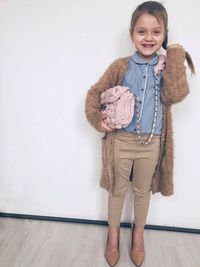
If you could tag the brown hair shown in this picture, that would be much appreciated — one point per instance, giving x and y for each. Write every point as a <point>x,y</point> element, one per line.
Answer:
<point>190,62</point>
<point>157,10</point>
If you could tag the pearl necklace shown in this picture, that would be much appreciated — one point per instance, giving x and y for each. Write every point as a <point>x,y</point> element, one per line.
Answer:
<point>154,115</point>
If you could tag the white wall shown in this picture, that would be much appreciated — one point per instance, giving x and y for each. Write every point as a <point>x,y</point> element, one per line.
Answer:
<point>50,54</point>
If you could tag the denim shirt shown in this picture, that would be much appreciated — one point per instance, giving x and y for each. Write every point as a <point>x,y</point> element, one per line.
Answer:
<point>140,80</point>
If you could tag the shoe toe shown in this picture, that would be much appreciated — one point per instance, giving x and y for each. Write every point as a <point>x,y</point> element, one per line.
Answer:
<point>137,257</point>
<point>112,257</point>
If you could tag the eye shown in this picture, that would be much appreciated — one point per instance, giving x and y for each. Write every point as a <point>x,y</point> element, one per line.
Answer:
<point>157,32</point>
<point>141,32</point>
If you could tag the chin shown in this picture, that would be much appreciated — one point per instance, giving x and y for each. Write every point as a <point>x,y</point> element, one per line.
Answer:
<point>147,54</point>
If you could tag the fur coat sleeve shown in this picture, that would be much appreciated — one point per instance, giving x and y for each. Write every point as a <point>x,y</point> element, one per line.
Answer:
<point>175,86</point>
<point>92,105</point>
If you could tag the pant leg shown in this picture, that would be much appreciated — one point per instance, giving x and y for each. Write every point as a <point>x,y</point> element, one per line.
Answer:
<point>144,168</point>
<point>115,207</point>
<point>122,169</point>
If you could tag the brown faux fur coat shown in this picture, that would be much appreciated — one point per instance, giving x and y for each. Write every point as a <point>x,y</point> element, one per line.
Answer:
<point>175,88</point>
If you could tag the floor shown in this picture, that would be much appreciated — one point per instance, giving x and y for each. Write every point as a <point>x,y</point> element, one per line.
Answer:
<point>32,243</point>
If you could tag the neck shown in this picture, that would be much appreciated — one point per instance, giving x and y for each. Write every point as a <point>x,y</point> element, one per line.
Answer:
<point>147,59</point>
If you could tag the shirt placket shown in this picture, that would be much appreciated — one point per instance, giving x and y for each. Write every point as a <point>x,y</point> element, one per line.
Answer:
<point>145,77</point>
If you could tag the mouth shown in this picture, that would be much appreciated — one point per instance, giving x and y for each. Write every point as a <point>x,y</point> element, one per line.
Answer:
<point>148,45</point>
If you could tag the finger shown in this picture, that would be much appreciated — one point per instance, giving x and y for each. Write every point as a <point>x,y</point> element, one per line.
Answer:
<point>106,127</point>
<point>103,116</point>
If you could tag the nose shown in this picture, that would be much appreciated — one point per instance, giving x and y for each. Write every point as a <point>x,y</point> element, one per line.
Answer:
<point>148,37</point>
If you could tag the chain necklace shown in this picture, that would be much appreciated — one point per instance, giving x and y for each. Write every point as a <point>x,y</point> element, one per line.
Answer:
<point>154,115</point>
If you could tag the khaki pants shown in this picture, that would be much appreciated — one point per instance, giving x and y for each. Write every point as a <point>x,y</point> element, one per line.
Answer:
<point>138,162</point>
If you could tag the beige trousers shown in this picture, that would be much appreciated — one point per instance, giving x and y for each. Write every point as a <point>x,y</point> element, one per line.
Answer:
<point>138,162</point>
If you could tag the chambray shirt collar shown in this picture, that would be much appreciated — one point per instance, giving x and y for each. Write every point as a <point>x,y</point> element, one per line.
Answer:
<point>139,60</point>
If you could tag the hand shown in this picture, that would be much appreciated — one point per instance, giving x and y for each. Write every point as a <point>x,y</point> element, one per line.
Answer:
<point>104,126</point>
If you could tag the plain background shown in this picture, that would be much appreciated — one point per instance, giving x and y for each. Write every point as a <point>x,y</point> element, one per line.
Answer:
<point>51,52</point>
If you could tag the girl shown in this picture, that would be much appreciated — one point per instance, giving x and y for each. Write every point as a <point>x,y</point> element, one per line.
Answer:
<point>143,151</point>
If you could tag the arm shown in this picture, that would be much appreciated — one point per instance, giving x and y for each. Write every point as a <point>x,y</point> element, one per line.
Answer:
<point>175,85</point>
<point>92,104</point>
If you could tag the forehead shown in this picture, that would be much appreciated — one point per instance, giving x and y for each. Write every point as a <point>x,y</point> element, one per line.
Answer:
<point>149,21</point>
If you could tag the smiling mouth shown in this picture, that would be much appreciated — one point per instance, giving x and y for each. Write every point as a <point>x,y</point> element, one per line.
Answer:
<point>147,45</point>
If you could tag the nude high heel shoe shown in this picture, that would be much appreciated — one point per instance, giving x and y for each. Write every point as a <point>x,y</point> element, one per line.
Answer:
<point>112,257</point>
<point>137,257</point>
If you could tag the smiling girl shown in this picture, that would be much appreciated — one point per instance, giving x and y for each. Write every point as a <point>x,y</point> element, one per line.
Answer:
<point>143,151</point>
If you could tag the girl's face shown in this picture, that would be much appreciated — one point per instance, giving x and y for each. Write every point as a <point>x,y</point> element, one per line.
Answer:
<point>148,35</point>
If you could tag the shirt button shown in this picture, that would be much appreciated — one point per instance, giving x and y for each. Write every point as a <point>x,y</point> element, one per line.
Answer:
<point>140,102</point>
<point>142,89</point>
<point>135,129</point>
<point>144,77</point>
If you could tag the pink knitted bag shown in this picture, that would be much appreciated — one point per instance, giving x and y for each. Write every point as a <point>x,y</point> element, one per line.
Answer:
<point>118,105</point>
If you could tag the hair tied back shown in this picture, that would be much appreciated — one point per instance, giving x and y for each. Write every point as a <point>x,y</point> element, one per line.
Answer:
<point>190,63</point>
